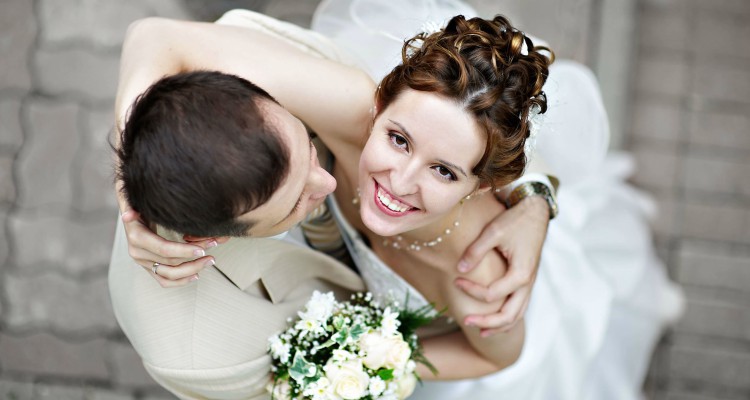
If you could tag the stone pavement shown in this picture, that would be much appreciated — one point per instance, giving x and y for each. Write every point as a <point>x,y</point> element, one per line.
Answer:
<point>689,131</point>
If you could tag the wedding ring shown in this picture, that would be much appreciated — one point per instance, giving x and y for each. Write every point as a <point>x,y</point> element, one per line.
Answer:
<point>155,267</point>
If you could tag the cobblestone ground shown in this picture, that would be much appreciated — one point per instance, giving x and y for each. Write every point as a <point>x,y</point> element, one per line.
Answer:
<point>690,133</point>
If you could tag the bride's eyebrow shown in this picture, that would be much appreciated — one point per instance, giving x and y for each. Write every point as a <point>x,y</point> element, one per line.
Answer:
<point>411,140</point>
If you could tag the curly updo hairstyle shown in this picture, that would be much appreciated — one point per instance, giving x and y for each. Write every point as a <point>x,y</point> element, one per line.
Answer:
<point>481,65</point>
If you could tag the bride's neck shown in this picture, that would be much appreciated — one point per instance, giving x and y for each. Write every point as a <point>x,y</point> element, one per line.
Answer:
<point>438,235</point>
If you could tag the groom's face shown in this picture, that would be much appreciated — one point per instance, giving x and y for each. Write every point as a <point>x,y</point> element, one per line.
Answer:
<point>304,188</point>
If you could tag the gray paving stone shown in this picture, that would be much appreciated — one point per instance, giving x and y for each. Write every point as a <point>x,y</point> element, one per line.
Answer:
<point>55,242</point>
<point>101,394</point>
<point>656,168</point>
<point>44,165</point>
<point>60,392</point>
<point>730,369</point>
<point>95,173</point>
<point>77,392</point>
<point>294,11</point>
<point>168,8</point>
<point>678,7</point>
<point>128,368</point>
<point>211,10</point>
<point>683,395</point>
<point>736,7</point>
<point>17,34</point>
<point>11,135</point>
<point>44,354</point>
<point>658,120</point>
<point>77,71</point>
<point>664,29</point>
<point>16,390</point>
<point>662,74</point>
<point>717,175</point>
<point>727,130</point>
<point>63,304</point>
<point>162,394</point>
<point>714,265</point>
<point>721,34</point>
<point>717,222</point>
<point>723,81</point>
<point>7,185</point>
<point>665,224</point>
<point>101,23</point>
<point>716,319</point>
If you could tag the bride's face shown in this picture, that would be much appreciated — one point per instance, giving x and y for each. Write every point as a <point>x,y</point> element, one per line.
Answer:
<point>416,165</point>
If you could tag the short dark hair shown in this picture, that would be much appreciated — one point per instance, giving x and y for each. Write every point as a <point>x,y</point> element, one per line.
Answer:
<point>197,152</point>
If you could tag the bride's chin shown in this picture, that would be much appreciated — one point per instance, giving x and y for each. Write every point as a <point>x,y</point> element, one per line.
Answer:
<point>378,226</point>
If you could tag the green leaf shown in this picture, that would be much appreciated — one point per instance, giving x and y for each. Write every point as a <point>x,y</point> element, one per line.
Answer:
<point>338,322</point>
<point>301,369</point>
<point>341,336</point>
<point>385,374</point>
<point>357,331</point>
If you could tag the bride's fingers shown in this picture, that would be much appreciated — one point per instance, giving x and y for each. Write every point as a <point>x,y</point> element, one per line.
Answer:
<point>146,258</point>
<point>497,290</point>
<point>142,237</point>
<point>166,283</point>
<point>185,270</point>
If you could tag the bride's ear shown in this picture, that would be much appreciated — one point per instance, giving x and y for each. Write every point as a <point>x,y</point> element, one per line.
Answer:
<point>483,188</point>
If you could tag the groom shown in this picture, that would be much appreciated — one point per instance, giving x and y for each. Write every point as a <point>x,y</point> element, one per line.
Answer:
<point>208,339</point>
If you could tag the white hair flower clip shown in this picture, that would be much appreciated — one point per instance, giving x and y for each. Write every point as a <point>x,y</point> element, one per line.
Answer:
<point>535,121</point>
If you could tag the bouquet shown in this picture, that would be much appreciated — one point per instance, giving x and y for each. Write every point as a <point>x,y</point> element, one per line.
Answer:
<point>348,350</point>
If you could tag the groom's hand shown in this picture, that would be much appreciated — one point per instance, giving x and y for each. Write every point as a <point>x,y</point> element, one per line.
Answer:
<point>178,263</point>
<point>518,235</point>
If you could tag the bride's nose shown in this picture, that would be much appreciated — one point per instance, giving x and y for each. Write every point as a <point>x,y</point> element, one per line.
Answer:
<point>404,180</point>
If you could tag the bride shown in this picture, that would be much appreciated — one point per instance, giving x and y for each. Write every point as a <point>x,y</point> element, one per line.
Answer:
<point>448,127</point>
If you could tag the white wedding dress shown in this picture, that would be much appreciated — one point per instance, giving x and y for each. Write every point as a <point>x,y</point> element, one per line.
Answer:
<point>601,298</point>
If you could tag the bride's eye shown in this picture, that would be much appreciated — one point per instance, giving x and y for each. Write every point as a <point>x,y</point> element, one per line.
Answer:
<point>398,141</point>
<point>444,173</point>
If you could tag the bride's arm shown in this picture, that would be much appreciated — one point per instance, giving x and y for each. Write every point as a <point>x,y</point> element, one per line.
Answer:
<point>454,357</point>
<point>332,98</point>
<point>466,354</point>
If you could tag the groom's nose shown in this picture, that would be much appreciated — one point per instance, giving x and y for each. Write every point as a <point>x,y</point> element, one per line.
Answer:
<point>321,183</point>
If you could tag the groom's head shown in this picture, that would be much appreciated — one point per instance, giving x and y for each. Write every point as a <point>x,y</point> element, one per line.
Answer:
<point>211,154</point>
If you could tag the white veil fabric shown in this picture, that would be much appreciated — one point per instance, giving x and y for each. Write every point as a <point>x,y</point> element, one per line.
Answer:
<point>602,297</point>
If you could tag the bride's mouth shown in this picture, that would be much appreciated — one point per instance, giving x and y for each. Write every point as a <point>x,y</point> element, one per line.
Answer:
<point>390,205</point>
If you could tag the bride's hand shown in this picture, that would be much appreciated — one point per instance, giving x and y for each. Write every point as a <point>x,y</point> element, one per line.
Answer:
<point>518,235</point>
<point>179,263</point>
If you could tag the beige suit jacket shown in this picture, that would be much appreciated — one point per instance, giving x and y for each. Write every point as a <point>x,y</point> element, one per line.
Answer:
<point>208,340</point>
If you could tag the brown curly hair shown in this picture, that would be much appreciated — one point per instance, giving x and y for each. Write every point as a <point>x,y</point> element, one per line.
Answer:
<point>479,64</point>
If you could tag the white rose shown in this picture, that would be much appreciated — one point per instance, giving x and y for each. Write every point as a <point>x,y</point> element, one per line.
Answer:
<point>380,351</point>
<point>405,386</point>
<point>348,379</point>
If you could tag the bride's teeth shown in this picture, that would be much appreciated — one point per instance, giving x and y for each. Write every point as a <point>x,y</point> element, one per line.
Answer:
<point>387,201</point>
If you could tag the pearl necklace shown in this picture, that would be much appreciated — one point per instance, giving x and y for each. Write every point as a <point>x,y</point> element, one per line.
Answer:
<point>397,242</point>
